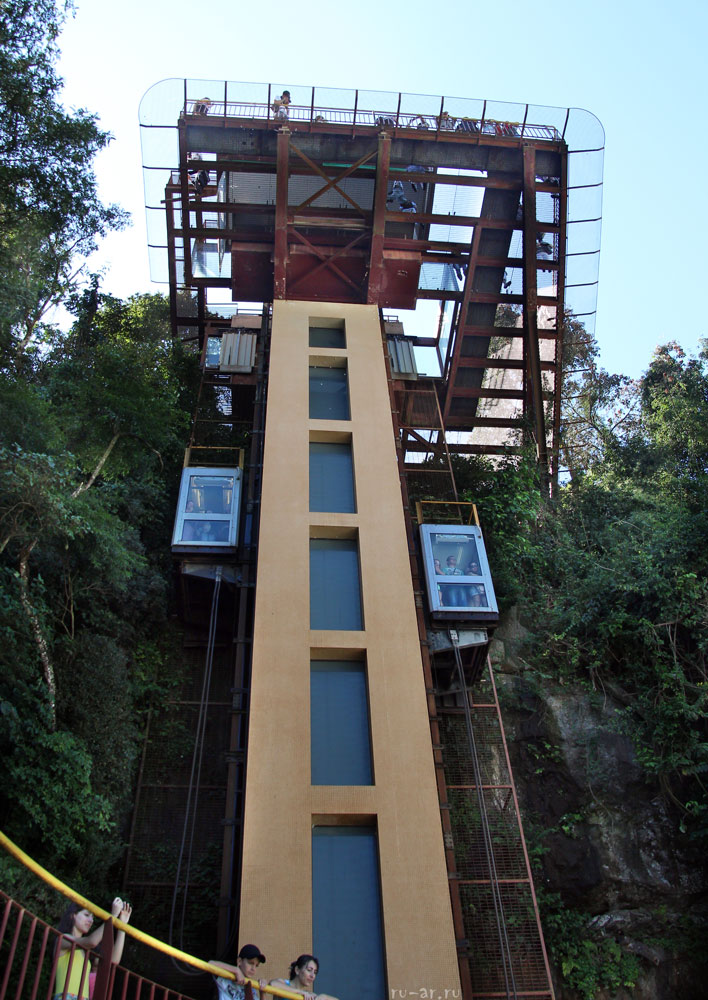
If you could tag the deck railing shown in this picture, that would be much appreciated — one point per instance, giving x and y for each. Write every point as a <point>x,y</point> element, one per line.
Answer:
<point>300,114</point>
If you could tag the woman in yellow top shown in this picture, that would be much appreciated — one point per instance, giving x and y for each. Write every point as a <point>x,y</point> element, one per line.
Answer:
<point>75,926</point>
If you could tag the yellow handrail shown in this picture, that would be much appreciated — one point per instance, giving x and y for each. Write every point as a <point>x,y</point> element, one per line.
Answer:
<point>147,939</point>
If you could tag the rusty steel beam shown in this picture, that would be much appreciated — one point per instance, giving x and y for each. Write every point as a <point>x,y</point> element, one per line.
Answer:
<point>507,331</point>
<point>474,392</point>
<point>184,188</point>
<point>451,373</point>
<point>422,444</point>
<point>438,256</point>
<point>329,250</point>
<point>485,449</point>
<point>425,177</point>
<point>171,261</point>
<point>512,363</point>
<point>403,131</point>
<point>462,220</point>
<point>531,301</point>
<point>378,226</point>
<point>330,222</point>
<point>327,260</point>
<point>280,249</point>
<point>560,315</point>
<point>267,165</point>
<point>488,297</point>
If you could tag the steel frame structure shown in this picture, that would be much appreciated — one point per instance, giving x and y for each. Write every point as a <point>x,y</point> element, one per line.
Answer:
<point>500,351</point>
<point>491,885</point>
<point>302,208</point>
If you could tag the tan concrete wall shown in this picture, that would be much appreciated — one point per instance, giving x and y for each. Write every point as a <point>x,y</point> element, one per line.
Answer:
<point>280,802</point>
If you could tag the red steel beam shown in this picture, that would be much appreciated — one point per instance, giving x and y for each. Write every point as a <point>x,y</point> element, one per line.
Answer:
<point>327,261</point>
<point>462,220</point>
<point>560,313</point>
<point>376,264</point>
<point>490,297</point>
<point>184,189</point>
<point>507,331</point>
<point>351,130</point>
<point>280,250</point>
<point>462,316</point>
<point>531,302</point>
<point>511,363</point>
<point>474,392</point>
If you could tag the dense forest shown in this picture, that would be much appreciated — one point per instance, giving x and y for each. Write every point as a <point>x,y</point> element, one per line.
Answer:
<point>607,573</point>
<point>606,583</point>
<point>94,422</point>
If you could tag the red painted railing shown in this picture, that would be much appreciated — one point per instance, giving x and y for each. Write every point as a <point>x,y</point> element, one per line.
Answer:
<point>29,953</point>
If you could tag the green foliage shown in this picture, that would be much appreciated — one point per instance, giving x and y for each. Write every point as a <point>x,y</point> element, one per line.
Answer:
<point>613,574</point>
<point>49,208</point>
<point>36,489</point>
<point>91,512</point>
<point>48,774</point>
<point>511,509</point>
<point>94,424</point>
<point>588,960</point>
<point>155,675</point>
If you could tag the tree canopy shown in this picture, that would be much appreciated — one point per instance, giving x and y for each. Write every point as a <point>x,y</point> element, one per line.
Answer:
<point>89,468</point>
<point>612,572</point>
<point>50,212</point>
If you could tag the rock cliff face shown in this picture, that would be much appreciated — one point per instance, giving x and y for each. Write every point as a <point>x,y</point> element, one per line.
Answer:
<point>610,837</point>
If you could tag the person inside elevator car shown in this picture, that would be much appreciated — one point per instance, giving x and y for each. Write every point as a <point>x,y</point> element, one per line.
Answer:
<point>302,978</point>
<point>249,959</point>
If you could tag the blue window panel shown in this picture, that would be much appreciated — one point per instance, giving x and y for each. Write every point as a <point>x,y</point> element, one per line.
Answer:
<point>339,723</point>
<point>329,394</point>
<point>322,336</point>
<point>347,932</point>
<point>335,595</point>
<point>331,477</point>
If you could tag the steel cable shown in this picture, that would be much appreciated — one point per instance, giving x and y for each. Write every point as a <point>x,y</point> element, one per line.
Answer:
<point>190,813</point>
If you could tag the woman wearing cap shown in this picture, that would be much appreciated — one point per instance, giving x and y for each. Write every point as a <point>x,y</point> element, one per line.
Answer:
<point>302,977</point>
<point>249,958</point>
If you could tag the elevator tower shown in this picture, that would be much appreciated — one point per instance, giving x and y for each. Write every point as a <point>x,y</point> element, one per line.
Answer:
<point>409,259</point>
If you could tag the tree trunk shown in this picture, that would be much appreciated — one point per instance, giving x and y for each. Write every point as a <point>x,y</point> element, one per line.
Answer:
<point>99,465</point>
<point>40,641</point>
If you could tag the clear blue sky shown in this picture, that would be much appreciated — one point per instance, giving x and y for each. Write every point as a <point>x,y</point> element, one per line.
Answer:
<point>640,67</point>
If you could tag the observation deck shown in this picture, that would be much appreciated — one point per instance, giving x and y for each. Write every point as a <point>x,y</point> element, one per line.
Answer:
<point>477,222</point>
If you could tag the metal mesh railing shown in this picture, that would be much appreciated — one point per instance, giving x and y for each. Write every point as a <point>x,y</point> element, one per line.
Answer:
<point>526,959</point>
<point>372,118</point>
<point>504,944</point>
<point>30,953</point>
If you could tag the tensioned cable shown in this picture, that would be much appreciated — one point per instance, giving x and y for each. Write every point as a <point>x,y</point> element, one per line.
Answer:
<point>190,812</point>
<point>486,832</point>
<point>256,462</point>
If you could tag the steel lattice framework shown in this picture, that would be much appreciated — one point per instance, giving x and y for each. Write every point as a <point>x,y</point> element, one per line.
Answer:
<point>318,206</point>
